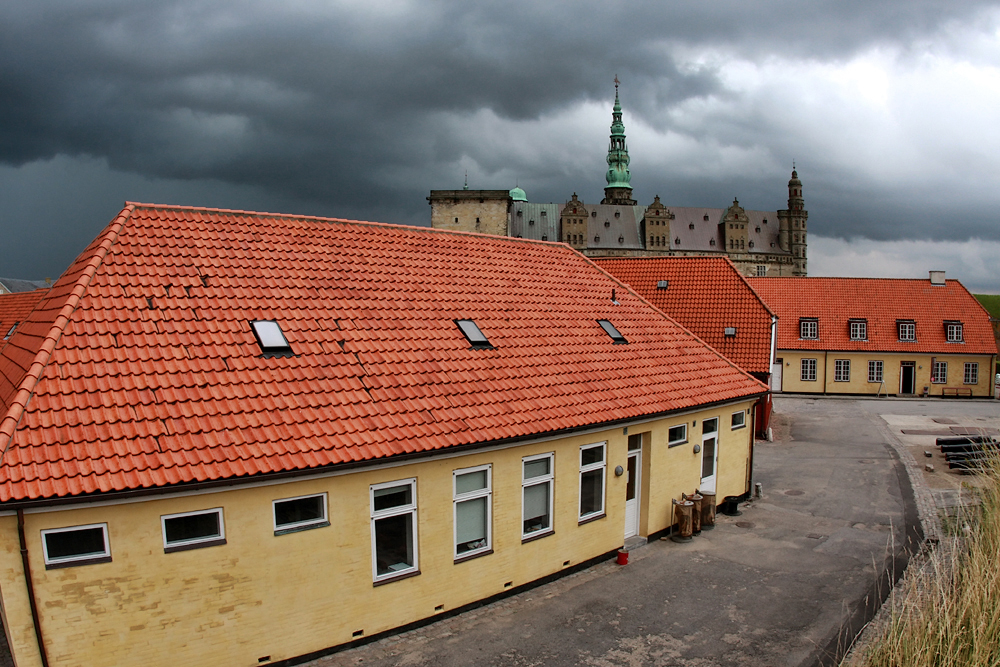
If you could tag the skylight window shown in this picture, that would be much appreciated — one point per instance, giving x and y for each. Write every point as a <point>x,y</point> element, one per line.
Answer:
<point>270,338</point>
<point>474,334</point>
<point>610,329</point>
<point>11,331</point>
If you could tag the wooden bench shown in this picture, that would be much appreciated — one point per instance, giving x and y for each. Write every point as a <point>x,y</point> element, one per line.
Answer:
<point>957,391</point>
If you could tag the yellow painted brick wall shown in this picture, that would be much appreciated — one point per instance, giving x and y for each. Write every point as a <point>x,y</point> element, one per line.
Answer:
<point>284,596</point>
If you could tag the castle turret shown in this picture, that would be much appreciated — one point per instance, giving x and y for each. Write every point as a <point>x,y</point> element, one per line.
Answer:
<point>792,226</point>
<point>619,188</point>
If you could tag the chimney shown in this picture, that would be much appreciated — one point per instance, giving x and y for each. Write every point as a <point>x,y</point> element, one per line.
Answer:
<point>937,277</point>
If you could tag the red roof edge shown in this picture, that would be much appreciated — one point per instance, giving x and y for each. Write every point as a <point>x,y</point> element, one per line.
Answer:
<point>27,387</point>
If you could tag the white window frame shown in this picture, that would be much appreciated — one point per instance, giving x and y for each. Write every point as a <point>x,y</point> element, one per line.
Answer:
<point>971,374</point>
<point>954,332</point>
<point>841,370</point>
<point>859,330</point>
<point>939,372</point>
<point>195,542</point>
<point>81,559</point>
<point>602,465</point>
<point>807,369</point>
<point>300,525</point>
<point>535,481</point>
<point>876,370</point>
<point>400,510</point>
<point>459,498</point>
<point>734,424</point>
<point>809,329</point>
<point>683,438</point>
<point>907,331</point>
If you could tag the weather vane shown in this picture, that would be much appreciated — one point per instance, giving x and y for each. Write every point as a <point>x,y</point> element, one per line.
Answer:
<point>616,83</point>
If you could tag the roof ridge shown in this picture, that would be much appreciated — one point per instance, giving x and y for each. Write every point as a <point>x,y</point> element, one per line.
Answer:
<point>8,426</point>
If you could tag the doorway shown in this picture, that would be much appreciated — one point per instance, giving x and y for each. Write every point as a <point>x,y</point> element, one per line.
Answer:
<point>634,485</point>
<point>907,377</point>
<point>709,453</point>
<point>776,369</point>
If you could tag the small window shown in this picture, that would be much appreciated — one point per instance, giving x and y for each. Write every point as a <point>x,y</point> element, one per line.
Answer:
<point>954,331</point>
<point>729,332</point>
<point>859,330</point>
<point>739,420</point>
<point>761,270</point>
<point>192,530</point>
<point>875,369</point>
<point>394,529</point>
<point>10,332</point>
<point>593,469</point>
<point>842,370</point>
<point>473,499</point>
<point>907,331</point>
<point>710,425</point>
<point>808,370</point>
<point>677,241</point>
<point>473,334</point>
<point>677,435</point>
<point>536,495</point>
<point>79,545</point>
<point>939,372</point>
<point>270,338</point>
<point>302,513</point>
<point>612,331</point>
<point>662,284</point>
<point>809,329</point>
<point>971,373</point>
<point>691,226</point>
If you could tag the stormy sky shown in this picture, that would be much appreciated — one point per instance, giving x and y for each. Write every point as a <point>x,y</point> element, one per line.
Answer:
<point>358,109</point>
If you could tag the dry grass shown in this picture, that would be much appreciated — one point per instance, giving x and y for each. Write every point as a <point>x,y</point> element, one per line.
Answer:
<point>948,613</point>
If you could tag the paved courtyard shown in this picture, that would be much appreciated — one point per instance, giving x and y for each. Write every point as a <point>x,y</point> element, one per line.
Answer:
<point>774,586</point>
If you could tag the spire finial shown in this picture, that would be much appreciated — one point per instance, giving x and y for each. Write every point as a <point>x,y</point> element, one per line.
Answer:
<point>616,84</point>
<point>466,180</point>
<point>793,164</point>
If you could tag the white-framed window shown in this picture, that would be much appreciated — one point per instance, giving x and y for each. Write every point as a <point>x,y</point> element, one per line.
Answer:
<point>738,420</point>
<point>710,425</point>
<point>939,372</point>
<point>808,370</point>
<point>954,331</point>
<point>842,370</point>
<point>193,530</point>
<point>809,328</point>
<point>907,331</point>
<point>77,545</point>
<point>300,513</point>
<point>537,477</point>
<point>971,375</point>
<point>761,270</point>
<point>394,528</point>
<point>473,508</point>
<point>859,330</point>
<point>677,435</point>
<point>593,473</point>
<point>875,369</point>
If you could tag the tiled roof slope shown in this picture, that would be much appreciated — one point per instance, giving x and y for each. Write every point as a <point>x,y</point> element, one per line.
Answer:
<point>880,301</point>
<point>706,295</point>
<point>16,306</point>
<point>148,374</point>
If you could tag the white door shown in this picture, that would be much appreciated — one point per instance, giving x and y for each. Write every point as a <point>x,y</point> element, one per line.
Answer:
<point>776,375</point>
<point>709,453</point>
<point>632,492</point>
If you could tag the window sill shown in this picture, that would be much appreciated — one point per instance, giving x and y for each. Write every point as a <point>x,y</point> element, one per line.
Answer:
<point>588,519</point>
<point>194,545</point>
<point>737,428</point>
<point>394,578</point>
<point>299,529</point>
<point>537,536</point>
<point>78,563</point>
<point>472,556</point>
<point>676,444</point>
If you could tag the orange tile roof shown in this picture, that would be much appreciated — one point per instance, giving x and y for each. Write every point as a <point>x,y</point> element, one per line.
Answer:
<point>15,307</point>
<point>139,370</point>
<point>882,302</point>
<point>706,295</point>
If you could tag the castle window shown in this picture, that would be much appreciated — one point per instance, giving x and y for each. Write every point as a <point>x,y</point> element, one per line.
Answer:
<point>618,214</point>
<point>545,237</point>
<point>691,226</point>
<point>543,214</point>
<point>751,244</point>
<point>477,221</point>
<point>677,241</point>
<point>705,218</point>
<point>758,229</point>
<point>531,223</point>
<point>519,214</point>
<point>607,223</point>
<point>593,214</point>
<point>596,238</point>
<point>765,221</point>
<point>761,270</point>
<point>711,242</point>
<point>456,219</point>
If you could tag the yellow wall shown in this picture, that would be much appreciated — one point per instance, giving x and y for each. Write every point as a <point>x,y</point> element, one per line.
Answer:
<point>284,596</point>
<point>859,384</point>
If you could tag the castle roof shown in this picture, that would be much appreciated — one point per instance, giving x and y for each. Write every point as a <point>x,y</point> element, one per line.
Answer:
<point>141,369</point>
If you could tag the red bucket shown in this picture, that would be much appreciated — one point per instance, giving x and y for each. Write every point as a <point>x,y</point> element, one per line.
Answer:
<point>622,557</point>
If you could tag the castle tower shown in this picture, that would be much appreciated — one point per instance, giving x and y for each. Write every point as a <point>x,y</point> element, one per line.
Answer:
<point>619,188</point>
<point>792,226</point>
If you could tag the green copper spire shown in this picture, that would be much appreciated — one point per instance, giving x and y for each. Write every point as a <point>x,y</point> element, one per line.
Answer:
<point>618,175</point>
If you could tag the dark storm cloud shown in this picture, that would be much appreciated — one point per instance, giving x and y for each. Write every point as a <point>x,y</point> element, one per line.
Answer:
<point>313,101</point>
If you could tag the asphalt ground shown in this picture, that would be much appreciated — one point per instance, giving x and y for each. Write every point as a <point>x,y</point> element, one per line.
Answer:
<point>789,582</point>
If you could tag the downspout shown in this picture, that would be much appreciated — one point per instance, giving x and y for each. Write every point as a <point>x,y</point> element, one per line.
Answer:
<point>826,373</point>
<point>753,441</point>
<point>31,588</point>
<point>774,335</point>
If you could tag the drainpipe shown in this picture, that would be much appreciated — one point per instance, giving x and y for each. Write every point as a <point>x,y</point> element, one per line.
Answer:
<point>31,588</point>
<point>826,374</point>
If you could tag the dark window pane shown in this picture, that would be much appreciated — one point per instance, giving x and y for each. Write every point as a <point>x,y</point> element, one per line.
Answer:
<point>630,487</point>
<point>708,458</point>
<point>192,527</point>
<point>394,496</point>
<point>591,455</point>
<point>592,492</point>
<point>299,510</point>
<point>678,433</point>
<point>75,543</point>
<point>393,544</point>
<point>536,508</point>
